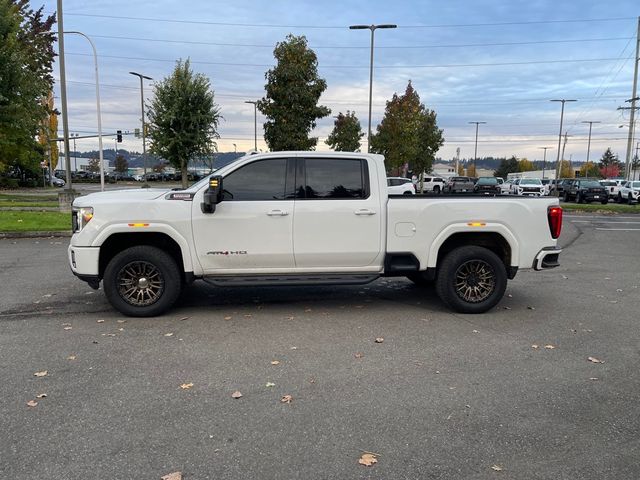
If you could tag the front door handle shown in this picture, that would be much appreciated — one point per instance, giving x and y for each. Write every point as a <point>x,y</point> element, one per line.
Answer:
<point>277,213</point>
<point>364,211</point>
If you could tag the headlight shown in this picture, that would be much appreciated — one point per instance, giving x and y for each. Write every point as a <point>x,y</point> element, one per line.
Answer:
<point>80,217</point>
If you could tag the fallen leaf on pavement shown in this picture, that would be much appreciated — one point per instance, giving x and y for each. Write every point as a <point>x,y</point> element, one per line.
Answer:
<point>32,403</point>
<point>100,321</point>
<point>170,334</point>
<point>531,308</point>
<point>595,360</point>
<point>286,399</point>
<point>121,321</point>
<point>275,362</point>
<point>227,318</point>
<point>172,476</point>
<point>186,386</point>
<point>236,394</point>
<point>497,468</point>
<point>270,384</point>
<point>68,328</point>
<point>359,355</point>
<point>184,318</point>
<point>379,340</point>
<point>41,395</point>
<point>476,331</point>
<point>71,357</point>
<point>507,308</point>
<point>549,347</point>
<point>535,346</point>
<point>593,378</point>
<point>367,459</point>
<point>43,373</point>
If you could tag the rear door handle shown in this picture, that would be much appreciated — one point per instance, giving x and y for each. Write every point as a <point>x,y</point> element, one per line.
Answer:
<point>364,211</point>
<point>277,213</point>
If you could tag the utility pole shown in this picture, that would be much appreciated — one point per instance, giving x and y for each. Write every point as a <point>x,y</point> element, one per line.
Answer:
<point>544,160</point>
<point>255,123</point>
<point>457,159</point>
<point>589,143</point>
<point>634,97</point>
<point>558,169</point>
<point>144,133</point>
<point>475,152</point>
<point>63,96</point>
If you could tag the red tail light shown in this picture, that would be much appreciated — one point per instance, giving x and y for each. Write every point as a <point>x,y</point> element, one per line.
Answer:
<point>554,214</point>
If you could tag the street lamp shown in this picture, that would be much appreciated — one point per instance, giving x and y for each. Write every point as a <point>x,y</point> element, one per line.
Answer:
<point>544,160</point>
<point>95,65</point>
<point>75,152</point>
<point>144,138</point>
<point>235,148</point>
<point>373,28</point>
<point>475,153</point>
<point>255,123</point>
<point>563,101</point>
<point>589,142</point>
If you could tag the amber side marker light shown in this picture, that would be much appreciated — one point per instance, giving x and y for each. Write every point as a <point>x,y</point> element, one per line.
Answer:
<point>476,224</point>
<point>138,225</point>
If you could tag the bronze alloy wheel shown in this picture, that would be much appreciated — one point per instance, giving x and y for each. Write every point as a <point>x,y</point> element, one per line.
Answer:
<point>140,283</point>
<point>475,281</point>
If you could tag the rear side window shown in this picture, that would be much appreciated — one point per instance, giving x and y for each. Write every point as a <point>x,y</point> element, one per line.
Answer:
<point>327,178</point>
<point>261,180</point>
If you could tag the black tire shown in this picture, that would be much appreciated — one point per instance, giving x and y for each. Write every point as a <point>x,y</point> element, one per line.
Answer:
<point>619,198</point>
<point>604,201</point>
<point>458,271</point>
<point>419,279</point>
<point>407,193</point>
<point>130,272</point>
<point>566,196</point>
<point>578,198</point>
<point>436,189</point>
<point>629,199</point>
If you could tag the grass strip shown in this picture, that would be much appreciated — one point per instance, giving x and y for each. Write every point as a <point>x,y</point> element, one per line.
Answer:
<point>34,221</point>
<point>599,208</point>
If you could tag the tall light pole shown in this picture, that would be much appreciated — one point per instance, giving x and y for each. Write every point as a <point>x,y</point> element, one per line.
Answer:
<point>632,100</point>
<point>373,28</point>
<point>144,137</point>
<point>95,66</point>
<point>589,142</point>
<point>475,152</point>
<point>563,101</point>
<point>544,159</point>
<point>255,123</point>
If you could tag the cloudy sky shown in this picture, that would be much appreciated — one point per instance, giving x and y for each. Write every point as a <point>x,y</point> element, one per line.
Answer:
<point>495,61</point>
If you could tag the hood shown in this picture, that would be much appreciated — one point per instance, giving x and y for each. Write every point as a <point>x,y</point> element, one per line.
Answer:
<point>124,196</point>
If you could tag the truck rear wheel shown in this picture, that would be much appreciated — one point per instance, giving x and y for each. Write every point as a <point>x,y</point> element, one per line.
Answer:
<point>142,281</point>
<point>471,279</point>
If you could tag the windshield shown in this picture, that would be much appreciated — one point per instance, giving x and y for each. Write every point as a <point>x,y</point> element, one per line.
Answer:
<point>609,184</point>
<point>487,181</point>
<point>590,184</point>
<point>530,181</point>
<point>635,184</point>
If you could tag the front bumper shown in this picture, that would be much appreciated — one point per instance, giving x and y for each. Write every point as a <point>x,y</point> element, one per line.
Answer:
<point>84,260</point>
<point>547,258</point>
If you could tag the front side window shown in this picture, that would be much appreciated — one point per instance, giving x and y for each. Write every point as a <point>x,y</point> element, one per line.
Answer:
<point>261,180</point>
<point>334,178</point>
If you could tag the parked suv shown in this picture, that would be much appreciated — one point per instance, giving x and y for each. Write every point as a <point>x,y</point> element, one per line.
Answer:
<point>431,184</point>
<point>487,185</point>
<point>528,187</point>
<point>613,187</point>
<point>400,186</point>
<point>588,191</point>
<point>629,192</point>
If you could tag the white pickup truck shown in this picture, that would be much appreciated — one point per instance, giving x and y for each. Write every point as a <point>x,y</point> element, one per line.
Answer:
<point>303,218</point>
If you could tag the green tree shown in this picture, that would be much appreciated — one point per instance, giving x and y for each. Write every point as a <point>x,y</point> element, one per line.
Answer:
<point>121,164</point>
<point>183,117</point>
<point>408,133</point>
<point>48,133</point>
<point>507,166</point>
<point>346,133</point>
<point>293,91</point>
<point>471,170</point>
<point>589,169</point>
<point>565,169</point>
<point>26,62</point>
<point>461,170</point>
<point>93,165</point>
<point>635,165</point>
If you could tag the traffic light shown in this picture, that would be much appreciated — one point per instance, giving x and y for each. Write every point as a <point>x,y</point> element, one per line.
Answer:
<point>119,136</point>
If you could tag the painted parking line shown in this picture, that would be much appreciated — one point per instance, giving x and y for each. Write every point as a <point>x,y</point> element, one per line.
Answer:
<point>620,229</point>
<point>602,221</point>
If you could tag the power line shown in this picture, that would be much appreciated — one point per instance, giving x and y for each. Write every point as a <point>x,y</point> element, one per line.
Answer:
<point>378,67</point>
<point>407,47</point>
<point>342,27</point>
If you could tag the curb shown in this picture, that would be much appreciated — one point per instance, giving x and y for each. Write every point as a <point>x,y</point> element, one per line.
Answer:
<point>62,233</point>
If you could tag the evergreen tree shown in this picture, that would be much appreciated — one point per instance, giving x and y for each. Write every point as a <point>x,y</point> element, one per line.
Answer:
<point>506,167</point>
<point>183,118</point>
<point>121,164</point>
<point>346,133</point>
<point>293,91</point>
<point>609,164</point>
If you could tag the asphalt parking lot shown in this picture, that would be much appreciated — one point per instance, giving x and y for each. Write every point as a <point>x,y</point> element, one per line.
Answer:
<point>444,396</point>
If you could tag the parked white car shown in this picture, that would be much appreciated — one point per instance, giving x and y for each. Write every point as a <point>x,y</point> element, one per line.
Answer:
<point>504,186</point>
<point>400,186</point>
<point>528,187</point>
<point>430,184</point>
<point>629,192</point>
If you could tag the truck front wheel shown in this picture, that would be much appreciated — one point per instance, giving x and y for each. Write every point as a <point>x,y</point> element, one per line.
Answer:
<point>142,281</point>
<point>471,279</point>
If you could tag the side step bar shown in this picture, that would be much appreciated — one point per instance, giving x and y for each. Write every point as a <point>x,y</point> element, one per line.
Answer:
<point>293,280</point>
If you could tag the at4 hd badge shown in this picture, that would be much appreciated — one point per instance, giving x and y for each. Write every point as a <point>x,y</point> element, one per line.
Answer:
<point>228,252</point>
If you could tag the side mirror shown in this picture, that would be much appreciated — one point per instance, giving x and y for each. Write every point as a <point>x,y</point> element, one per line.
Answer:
<point>213,195</point>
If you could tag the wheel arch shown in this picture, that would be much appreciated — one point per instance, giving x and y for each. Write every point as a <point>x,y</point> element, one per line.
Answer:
<point>117,242</point>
